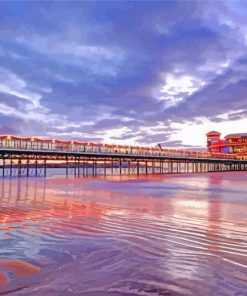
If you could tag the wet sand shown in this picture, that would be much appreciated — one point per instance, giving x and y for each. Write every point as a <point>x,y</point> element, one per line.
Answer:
<point>155,235</point>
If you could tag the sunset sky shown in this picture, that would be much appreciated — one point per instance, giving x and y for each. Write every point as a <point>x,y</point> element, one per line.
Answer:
<point>124,72</point>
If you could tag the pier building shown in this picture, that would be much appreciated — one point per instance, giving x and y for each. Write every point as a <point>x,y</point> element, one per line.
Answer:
<point>234,144</point>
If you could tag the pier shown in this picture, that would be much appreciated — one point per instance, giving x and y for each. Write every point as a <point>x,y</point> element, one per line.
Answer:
<point>32,157</point>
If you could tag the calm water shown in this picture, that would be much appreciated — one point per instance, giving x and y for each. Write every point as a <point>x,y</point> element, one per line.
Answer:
<point>161,235</point>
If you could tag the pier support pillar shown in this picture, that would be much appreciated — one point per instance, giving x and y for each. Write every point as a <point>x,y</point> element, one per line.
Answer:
<point>67,166</point>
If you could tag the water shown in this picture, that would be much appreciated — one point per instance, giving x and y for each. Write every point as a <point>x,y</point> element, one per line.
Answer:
<point>155,235</point>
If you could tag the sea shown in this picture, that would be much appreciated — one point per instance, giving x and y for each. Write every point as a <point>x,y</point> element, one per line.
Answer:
<point>172,235</point>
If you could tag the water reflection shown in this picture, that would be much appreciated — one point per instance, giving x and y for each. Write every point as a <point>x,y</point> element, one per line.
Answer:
<point>146,236</point>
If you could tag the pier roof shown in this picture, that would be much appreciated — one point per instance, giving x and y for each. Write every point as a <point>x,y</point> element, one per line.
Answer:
<point>213,133</point>
<point>237,135</point>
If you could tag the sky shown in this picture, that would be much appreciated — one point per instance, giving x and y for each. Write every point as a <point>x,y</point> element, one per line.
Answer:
<point>126,72</point>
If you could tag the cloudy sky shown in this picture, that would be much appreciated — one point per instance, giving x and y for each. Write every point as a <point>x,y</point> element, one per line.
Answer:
<point>124,72</point>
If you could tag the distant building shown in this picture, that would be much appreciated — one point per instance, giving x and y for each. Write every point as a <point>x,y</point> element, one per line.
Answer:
<point>232,143</point>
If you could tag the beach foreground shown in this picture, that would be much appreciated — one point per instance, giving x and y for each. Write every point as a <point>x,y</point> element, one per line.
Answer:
<point>154,235</point>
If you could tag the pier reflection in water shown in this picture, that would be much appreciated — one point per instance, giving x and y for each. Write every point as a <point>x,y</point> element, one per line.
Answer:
<point>160,235</point>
